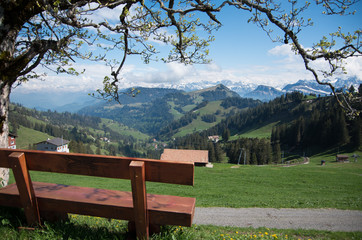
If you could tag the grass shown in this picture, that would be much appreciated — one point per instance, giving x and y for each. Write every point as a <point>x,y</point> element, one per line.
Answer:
<point>85,227</point>
<point>29,136</point>
<point>258,132</point>
<point>188,108</point>
<point>198,124</point>
<point>335,185</point>
<point>124,130</point>
<point>194,126</point>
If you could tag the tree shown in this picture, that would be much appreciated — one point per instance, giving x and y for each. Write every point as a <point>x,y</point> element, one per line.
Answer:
<point>276,153</point>
<point>226,134</point>
<point>54,33</point>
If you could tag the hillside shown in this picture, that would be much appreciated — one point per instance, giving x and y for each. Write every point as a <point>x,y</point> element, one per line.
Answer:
<point>290,126</point>
<point>153,109</point>
<point>206,115</point>
<point>87,134</point>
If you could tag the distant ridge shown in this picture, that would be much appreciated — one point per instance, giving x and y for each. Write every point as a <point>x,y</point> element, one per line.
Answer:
<point>214,93</point>
<point>264,93</point>
<point>74,101</point>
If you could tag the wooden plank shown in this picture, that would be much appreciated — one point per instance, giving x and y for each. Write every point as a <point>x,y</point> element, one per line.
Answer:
<point>103,166</point>
<point>9,196</point>
<point>162,209</point>
<point>25,187</point>
<point>138,182</point>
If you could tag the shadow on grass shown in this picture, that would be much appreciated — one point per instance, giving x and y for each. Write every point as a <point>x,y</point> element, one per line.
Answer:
<point>13,226</point>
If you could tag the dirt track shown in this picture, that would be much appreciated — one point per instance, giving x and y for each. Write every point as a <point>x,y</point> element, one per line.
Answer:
<point>319,219</point>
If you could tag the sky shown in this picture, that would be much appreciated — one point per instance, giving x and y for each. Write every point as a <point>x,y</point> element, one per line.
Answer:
<point>241,53</point>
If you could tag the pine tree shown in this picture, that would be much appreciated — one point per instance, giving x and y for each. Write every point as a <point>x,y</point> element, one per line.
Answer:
<point>212,157</point>
<point>342,131</point>
<point>253,159</point>
<point>356,133</point>
<point>226,134</point>
<point>218,153</point>
<point>276,153</point>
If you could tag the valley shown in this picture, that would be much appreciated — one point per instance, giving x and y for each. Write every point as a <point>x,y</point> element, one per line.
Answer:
<point>154,119</point>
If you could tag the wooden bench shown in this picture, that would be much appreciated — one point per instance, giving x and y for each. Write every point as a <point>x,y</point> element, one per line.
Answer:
<point>39,199</point>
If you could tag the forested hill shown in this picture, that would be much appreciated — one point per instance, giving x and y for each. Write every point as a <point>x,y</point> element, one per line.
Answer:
<point>205,116</point>
<point>86,133</point>
<point>301,124</point>
<point>153,109</point>
<point>291,123</point>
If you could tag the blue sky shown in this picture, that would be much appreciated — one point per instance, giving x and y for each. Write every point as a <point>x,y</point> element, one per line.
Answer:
<point>241,53</point>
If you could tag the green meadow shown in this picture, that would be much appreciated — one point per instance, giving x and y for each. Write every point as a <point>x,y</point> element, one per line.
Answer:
<point>335,185</point>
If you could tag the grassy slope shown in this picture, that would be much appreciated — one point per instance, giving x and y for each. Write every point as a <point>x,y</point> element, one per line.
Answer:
<point>335,185</point>
<point>198,124</point>
<point>124,130</point>
<point>28,136</point>
<point>262,131</point>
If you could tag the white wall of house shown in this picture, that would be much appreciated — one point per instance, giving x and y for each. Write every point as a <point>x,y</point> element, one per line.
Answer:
<point>45,146</point>
<point>12,142</point>
<point>63,148</point>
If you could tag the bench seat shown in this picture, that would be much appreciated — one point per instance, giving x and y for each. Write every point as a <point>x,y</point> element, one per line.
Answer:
<point>162,209</point>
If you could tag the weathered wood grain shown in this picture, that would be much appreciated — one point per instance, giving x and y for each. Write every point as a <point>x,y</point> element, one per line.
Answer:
<point>102,166</point>
<point>162,209</point>
<point>27,196</point>
<point>137,175</point>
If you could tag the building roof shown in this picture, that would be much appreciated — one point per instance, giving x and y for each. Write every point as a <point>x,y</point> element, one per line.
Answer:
<point>12,135</point>
<point>182,155</point>
<point>56,141</point>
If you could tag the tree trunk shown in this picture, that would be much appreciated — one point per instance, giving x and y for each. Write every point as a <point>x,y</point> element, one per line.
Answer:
<point>4,129</point>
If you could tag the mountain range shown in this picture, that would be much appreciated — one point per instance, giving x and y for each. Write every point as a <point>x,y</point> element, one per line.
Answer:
<point>75,101</point>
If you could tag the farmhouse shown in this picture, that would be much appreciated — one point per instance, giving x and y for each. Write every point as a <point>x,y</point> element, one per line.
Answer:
<point>55,145</point>
<point>214,138</point>
<point>12,141</point>
<point>198,157</point>
<point>342,158</point>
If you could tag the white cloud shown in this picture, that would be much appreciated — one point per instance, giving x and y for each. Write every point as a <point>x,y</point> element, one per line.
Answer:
<point>292,63</point>
<point>354,67</point>
<point>111,15</point>
<point>286,67</point>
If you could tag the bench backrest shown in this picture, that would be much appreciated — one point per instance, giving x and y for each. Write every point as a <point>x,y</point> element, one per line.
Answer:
<point>102,166</point>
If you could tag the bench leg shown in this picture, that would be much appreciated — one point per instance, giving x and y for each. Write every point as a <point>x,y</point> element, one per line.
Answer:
<point>138,177</point>
<point>23,182</point>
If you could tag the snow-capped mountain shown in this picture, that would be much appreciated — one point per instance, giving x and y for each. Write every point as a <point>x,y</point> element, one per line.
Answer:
<point>308,87</point>
<point>77,100</point>
<point>264,93</point>
<point>311,86</point>
<point>238,87</point>
<point>341,83</point>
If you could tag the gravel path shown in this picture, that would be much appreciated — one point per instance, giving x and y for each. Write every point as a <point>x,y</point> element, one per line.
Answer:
<point>285,218</point>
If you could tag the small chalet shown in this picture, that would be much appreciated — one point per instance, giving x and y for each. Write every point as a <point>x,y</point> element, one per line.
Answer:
<point>12,141</point>
<point>55,145</point>
<point>198,157</point>
<point>214,138</point>
<point>342,158</point>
